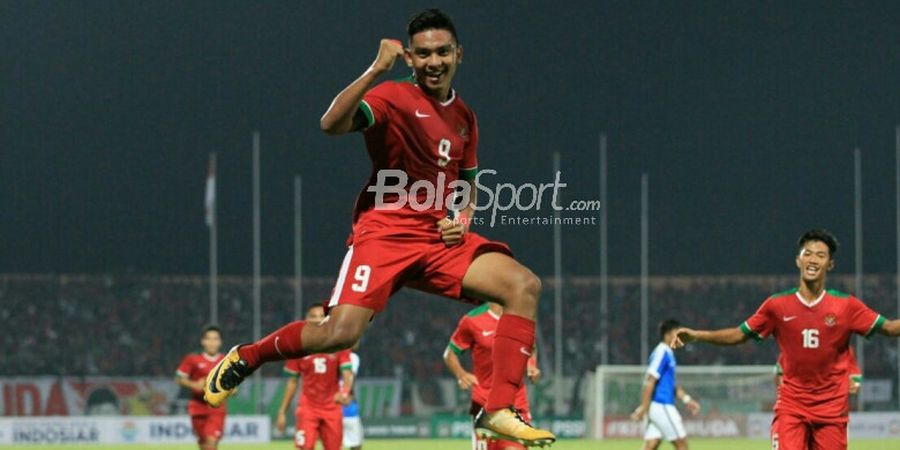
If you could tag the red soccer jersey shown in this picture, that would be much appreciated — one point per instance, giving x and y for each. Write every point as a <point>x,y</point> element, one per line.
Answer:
<point>196,366</point>
<point>476,332</point>
<point>321,374</point>
<point>432,142</point>
<point>814,342</point>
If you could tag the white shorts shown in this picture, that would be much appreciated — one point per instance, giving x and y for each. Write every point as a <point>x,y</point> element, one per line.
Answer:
<point>664,422</point>
<point>353,432</point>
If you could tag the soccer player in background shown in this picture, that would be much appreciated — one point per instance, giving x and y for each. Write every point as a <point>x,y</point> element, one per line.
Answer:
<point>475,332</point>
<point>353,428</point>
<point>658,396</point>
<point>856,376</point>
<point>207,422</point>
<point>812,327</point>
<point>418,129</point>
<point>319,410</point>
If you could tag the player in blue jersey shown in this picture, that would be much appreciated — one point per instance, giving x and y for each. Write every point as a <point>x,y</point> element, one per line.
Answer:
<point>353,429</point>
<point>660,391</point>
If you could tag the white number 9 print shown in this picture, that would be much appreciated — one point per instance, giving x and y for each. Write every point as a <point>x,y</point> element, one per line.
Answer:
<point>444,152</point>
<point>361,276</point>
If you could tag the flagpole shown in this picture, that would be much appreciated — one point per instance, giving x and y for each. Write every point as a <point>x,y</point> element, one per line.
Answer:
<point>213,223</point>
<point>645,265</point>
<point>858,244</point>
<point>298,247</point>
<point>604,257</point>
<point>257,267</point>
<point>557,289</point>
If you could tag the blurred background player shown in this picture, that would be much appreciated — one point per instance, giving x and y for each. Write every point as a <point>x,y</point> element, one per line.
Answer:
<point>475,332</point>
<point>207,422</point>
<point>663,421</point>
<point>856,376</point>
<point>812,327</point>
<point>319,414</point>
<point>353,429</point>
<point>418,127</point>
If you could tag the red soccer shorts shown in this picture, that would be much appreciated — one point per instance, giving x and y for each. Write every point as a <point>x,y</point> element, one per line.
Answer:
<point>375,268</point>
<point>208,426</point>
<point>313,424</point>
<point>792,432</point>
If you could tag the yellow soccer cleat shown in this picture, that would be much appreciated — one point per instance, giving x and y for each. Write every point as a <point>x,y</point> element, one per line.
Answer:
<point>508,425</point>
<point>223,380</point>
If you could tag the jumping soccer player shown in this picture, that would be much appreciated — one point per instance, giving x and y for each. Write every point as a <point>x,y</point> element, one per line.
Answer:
<point>475,332</point>
<point>812,327</point>
<point>417,131</point>
<point>208,423</point>
<point>353,428</point>
<point>319,412</point>
<point>659,393</point>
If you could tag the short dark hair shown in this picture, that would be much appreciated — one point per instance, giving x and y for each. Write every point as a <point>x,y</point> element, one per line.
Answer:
<point>821,235</point>
<point>431,19</point>
<point>209,328</point>
<point>315,305</point>
<point>668,325</point>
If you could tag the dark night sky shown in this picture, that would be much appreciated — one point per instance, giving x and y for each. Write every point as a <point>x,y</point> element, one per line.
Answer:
<point>743,114</point>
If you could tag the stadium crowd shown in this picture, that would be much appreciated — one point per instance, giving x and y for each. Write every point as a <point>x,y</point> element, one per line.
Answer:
<point>143,325</point>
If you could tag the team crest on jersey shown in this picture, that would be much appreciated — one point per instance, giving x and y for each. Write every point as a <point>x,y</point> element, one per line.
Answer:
<point>463,130</point>
<point>830,320</point>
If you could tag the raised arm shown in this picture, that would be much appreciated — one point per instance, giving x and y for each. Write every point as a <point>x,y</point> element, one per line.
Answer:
<point>339,118</point>
<point>724,336</point>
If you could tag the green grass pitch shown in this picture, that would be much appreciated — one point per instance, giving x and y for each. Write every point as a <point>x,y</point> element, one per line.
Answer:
<point>462,444</point>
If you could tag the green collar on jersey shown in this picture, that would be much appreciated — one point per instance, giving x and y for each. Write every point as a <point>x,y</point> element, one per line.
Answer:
<point>837,293</point>
<point>478,311</point>
<point>783,293</point>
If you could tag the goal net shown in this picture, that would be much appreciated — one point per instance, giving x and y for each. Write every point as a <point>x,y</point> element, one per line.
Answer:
<point>727,394</point>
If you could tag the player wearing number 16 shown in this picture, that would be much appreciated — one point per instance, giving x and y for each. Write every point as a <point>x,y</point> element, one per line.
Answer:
<point>418,127</point>
<point>319,411</point>
<point>812,326</point>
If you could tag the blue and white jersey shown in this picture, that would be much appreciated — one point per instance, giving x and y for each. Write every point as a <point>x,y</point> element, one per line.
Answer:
<point>352,410</point>
<point>662,367</point>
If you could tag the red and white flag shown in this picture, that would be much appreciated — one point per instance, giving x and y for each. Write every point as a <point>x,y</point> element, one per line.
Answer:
<point>210,200</point>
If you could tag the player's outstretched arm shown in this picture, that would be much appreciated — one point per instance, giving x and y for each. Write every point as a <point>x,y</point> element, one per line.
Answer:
<point>725,336</point>
<point>464,378</point>
<point>339,118</point>
<point>289,391</point>
<point>890,328</point>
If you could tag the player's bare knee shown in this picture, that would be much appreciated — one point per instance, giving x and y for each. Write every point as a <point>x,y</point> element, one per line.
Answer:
<point>525,293</point>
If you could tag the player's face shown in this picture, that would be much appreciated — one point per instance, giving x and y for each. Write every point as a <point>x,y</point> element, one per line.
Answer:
<point>315,315</point>
<point>211,342</point>
<point>434,55</point>
<point>814,261</point>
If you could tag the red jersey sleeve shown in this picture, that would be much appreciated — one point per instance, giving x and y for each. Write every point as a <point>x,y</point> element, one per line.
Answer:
<point>375,104</point>
<point>863,320</point>
<point>291,368</point>
<point>461,340</point>
<point>344,360</point>
<point>468,167</point>
<point>186,367</point>
<point>761,324</point>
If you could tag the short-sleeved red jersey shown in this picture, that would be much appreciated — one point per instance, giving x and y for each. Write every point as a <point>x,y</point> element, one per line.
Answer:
<point>430,141</point>
<point>196,366</point>
<point>814,342</point>
<point>321,374</point>
<point>475,332</point>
